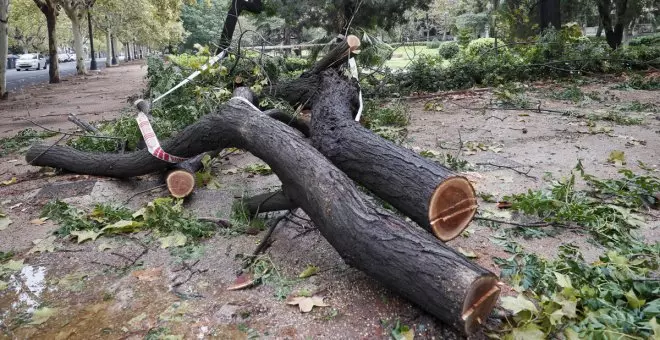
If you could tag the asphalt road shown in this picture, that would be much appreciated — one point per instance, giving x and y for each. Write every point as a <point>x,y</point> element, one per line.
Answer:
<point>19,79</point>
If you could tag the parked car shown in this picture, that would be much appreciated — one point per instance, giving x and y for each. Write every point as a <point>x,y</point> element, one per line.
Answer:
<point>65,57</point>
<point>31,60</point>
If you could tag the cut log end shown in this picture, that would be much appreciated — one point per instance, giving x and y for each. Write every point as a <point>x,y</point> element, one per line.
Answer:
<point>479,303</point>
<point>180,183</point>
<point>452,207</point>
<point>353,43</point>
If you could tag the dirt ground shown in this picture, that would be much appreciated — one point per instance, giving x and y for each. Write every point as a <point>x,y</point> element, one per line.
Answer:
<point>97,96</point>
<point>100,293</point>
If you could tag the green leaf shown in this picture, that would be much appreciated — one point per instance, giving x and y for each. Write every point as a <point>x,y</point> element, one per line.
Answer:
<point>518,304</point>
<point>563,280</point>
<point>84,235</point>
<point>42,315</point>
<point>633,301</point>
<point>3,285</point>
<point>309,271</point>
<point>12,265</point>
<point>175,239</point>
<point>528,332</point>
<point>571,334</point>
<point>617,157</point>
<point>655,327</point>
<point>123,226</point>
<point>5,222</point>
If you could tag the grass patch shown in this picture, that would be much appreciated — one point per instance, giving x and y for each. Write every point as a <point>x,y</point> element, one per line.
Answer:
<point>637,106</point>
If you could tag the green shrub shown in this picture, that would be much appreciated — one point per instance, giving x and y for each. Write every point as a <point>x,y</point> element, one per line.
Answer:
<point>648,40</point>
<point>448,50</point>
<point>432,45</point>
<point>480,47</point>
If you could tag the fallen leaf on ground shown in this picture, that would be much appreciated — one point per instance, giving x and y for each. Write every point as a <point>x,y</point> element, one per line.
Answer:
<point>2,214</point>
<point>42,315</point>
<point>309,271</point>
<point>84,235</point>
<point>504,205</point>
<point>306,304</point>
<point>468,253</point>
<point>39,221</point>
<point>518,304</point>
<point>9,181</point>
<point>105,246</point>
<point>43,245</point>
<point>123,226</point>
<point>5,222</point>
<point>176,239</point>
<point>617,157</point>
<point>151,274</point>
<point>3,285</point>
<point>241,282</point>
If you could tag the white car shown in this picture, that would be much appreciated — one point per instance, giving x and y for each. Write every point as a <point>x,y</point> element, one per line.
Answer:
<point>31,60</point>
<point>64,57</point>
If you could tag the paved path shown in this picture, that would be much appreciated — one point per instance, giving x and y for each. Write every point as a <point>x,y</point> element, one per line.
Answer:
<point>19,79</point>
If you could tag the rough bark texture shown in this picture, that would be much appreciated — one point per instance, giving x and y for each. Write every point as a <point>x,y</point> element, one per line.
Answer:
<point>235,9</point>
<point>4,18</point>
<point>49,9</point>
<point>410,262</point>
<point>301,91</point>
<point>268,202</point>
<point>74,16</point>
<point>397,175</point>
<point>108,50</point>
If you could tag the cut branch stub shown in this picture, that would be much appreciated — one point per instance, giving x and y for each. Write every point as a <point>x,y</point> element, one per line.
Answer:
<point>452,207</point>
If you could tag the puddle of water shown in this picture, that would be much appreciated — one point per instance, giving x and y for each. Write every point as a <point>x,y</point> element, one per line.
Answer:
<point>28,285</point>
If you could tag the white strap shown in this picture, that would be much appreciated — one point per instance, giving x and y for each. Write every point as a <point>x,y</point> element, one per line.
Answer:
<point>194,75</point>
<point>354,73</point>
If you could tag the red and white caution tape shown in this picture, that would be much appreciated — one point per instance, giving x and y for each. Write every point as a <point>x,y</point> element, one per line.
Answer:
<point>194,75</point>
<point>153,145</point>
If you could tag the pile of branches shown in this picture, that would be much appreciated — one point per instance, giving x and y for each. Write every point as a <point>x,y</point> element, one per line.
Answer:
<point>319,163</point>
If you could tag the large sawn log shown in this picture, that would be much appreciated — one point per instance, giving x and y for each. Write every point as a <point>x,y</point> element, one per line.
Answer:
<point>400,256</point>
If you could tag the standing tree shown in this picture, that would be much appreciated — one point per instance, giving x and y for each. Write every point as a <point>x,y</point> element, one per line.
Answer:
<point>616,15</point>
<point>4,45</point>
<point>550,14</point>
<point>51,9</point>
<point>75,10</point>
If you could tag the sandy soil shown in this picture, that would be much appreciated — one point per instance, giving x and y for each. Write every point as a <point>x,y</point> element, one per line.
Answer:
<point>97,296</point>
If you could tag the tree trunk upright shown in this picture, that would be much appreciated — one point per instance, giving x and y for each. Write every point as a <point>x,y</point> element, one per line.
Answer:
<point>108,49</point>
<point>4,44</point>
<point>73,12</point>
<point>613,27</point>
<point>49,9</point>
<point>550,14</point>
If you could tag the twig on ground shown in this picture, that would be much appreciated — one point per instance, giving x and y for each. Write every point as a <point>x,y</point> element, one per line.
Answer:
<point>264,241</point>
<point>524,173</point>
<point>527,225</point>
<point>144,191</point>
<point>218,221</point>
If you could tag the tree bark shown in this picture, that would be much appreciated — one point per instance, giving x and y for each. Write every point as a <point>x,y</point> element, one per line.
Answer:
<point>430,194</point>
<point>4,44</point>
<point>235,9</point>
<point>49,9</point>
<point>613,27</point>
<point>300,91</point>
<point>108,50</point>
<point>73,10</point>
<point>411,263</point>
<point>550,14</point>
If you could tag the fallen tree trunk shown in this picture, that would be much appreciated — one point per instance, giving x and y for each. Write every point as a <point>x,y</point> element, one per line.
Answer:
<point>411,263</point>
<point>430,194</point>
<point>301,91</point>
